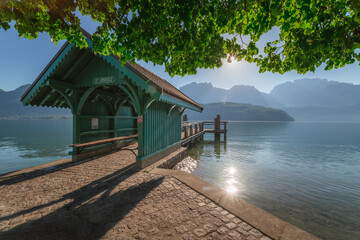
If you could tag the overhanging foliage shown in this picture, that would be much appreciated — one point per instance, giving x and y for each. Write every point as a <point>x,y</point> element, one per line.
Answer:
<point>189,34</point>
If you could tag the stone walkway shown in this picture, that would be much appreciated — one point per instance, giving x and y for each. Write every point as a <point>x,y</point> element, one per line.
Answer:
<point>106,198</point>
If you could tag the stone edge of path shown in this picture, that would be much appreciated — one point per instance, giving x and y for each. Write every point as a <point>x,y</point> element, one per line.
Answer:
<point>44,166</point>
<point>270,225</point>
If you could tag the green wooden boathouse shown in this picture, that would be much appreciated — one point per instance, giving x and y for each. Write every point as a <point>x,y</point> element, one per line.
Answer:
<point>111,101</point>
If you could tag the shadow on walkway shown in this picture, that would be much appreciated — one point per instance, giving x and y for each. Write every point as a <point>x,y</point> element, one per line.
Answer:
<point>13,179</point>
<point>84,217</point>
<point>33,174</point>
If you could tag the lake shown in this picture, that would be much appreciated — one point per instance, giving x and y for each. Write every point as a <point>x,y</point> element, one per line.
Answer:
<point>26,143</point>
<point>305,173</point>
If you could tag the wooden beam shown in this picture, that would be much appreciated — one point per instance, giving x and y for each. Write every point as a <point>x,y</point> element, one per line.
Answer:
<point>182,111</point>
<point>83,99</point>
<point>120,104</point>
<point>107,94</point>
<point>60,84</point>
<point>174,106</point>
<point>134,99</point>
<point>88,144</point>
<point>87,64</point>
<point>66,97</point>
<point>47,97</point>
<point>148,103</point>
<point>75,65</point>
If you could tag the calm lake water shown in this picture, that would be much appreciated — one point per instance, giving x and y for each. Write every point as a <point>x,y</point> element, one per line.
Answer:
<point>305,173</point>
<point>26,143</point>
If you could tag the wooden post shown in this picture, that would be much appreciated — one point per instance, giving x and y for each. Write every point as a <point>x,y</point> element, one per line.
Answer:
<point>217,127</point>
<point>202,129</point>
<point>225,131</point>
<point>191,130</point>
<point>196,128</point>
<point>186,131</point>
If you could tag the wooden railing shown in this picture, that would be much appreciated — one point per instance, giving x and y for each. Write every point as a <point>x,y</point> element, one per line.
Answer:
<point>189,129</point>
<point>217,126</point>
<point>193,130</point>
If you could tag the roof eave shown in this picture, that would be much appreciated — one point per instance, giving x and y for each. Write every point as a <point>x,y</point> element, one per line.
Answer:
<point>169,99</point>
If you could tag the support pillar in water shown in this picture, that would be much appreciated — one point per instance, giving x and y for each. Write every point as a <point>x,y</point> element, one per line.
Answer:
<point>217,127</point>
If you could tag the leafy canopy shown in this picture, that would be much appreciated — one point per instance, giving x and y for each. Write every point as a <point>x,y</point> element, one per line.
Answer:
<point>189,34</point>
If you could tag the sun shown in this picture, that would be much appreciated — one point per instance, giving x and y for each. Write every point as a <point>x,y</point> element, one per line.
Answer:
<point>231,59</point>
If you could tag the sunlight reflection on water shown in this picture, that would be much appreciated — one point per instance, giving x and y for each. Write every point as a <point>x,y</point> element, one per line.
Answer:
<point>305,173</point>
<point>231,188</point>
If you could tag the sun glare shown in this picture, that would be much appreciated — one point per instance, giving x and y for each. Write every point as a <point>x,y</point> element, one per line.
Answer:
<point>231,189</point>
<point>230,181</point>
<point>232,170</point>
<point>232,59</point>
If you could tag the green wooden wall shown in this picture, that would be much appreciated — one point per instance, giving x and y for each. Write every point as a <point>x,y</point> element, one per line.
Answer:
<point>160,129</point>
<point>123,124</point>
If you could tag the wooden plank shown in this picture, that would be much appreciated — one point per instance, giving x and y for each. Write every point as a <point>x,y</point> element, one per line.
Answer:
<point>224,122</point>
<point>82,145</point>
<point>126,129</point>
<point>184,141</point>
<point>95,132</point>
<point>214,131</point>
<point>188,124</point>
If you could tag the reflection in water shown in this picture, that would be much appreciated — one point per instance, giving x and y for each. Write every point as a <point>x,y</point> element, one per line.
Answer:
<point>304,173</point>
<point>231,187</point>
<point>232,170</point>
<point>196,149</point>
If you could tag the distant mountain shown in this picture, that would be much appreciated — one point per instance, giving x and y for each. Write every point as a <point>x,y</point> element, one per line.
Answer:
<point>342,113</point>
<point>239,112</point>
<point>11,107</point>
<point>304,99</point>
<point>316,92</point>
<point>206,93</point>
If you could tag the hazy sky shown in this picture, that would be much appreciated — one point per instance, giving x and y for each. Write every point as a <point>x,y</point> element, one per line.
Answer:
<point>22,60</point>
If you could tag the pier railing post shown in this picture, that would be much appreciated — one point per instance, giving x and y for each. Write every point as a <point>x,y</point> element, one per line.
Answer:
<point>196,128</point>
<point>191,130</point>
<point>225,131</point>
<point>217,127</point>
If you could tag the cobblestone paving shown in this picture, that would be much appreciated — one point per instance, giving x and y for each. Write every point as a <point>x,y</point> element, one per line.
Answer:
<point>107,198</point>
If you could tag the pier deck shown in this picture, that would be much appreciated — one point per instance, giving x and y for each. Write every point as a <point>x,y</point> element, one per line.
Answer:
<point>107,198</point>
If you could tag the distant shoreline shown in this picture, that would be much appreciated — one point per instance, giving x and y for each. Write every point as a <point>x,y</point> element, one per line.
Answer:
<point>65,117</point>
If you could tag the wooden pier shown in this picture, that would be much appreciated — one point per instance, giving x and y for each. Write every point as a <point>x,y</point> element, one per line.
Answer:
<point>196,130</point>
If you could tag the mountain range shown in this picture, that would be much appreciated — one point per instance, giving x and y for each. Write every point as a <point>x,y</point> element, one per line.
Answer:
<point>207,93</point>
<point>11,107</point>
<point>304,99</point>
<point>239,112</point>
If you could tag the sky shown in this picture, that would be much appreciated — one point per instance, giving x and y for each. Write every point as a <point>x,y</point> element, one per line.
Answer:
<point>22,60</point>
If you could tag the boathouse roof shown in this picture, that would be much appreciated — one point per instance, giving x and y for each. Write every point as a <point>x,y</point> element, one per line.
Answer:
<point>70,63</point>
